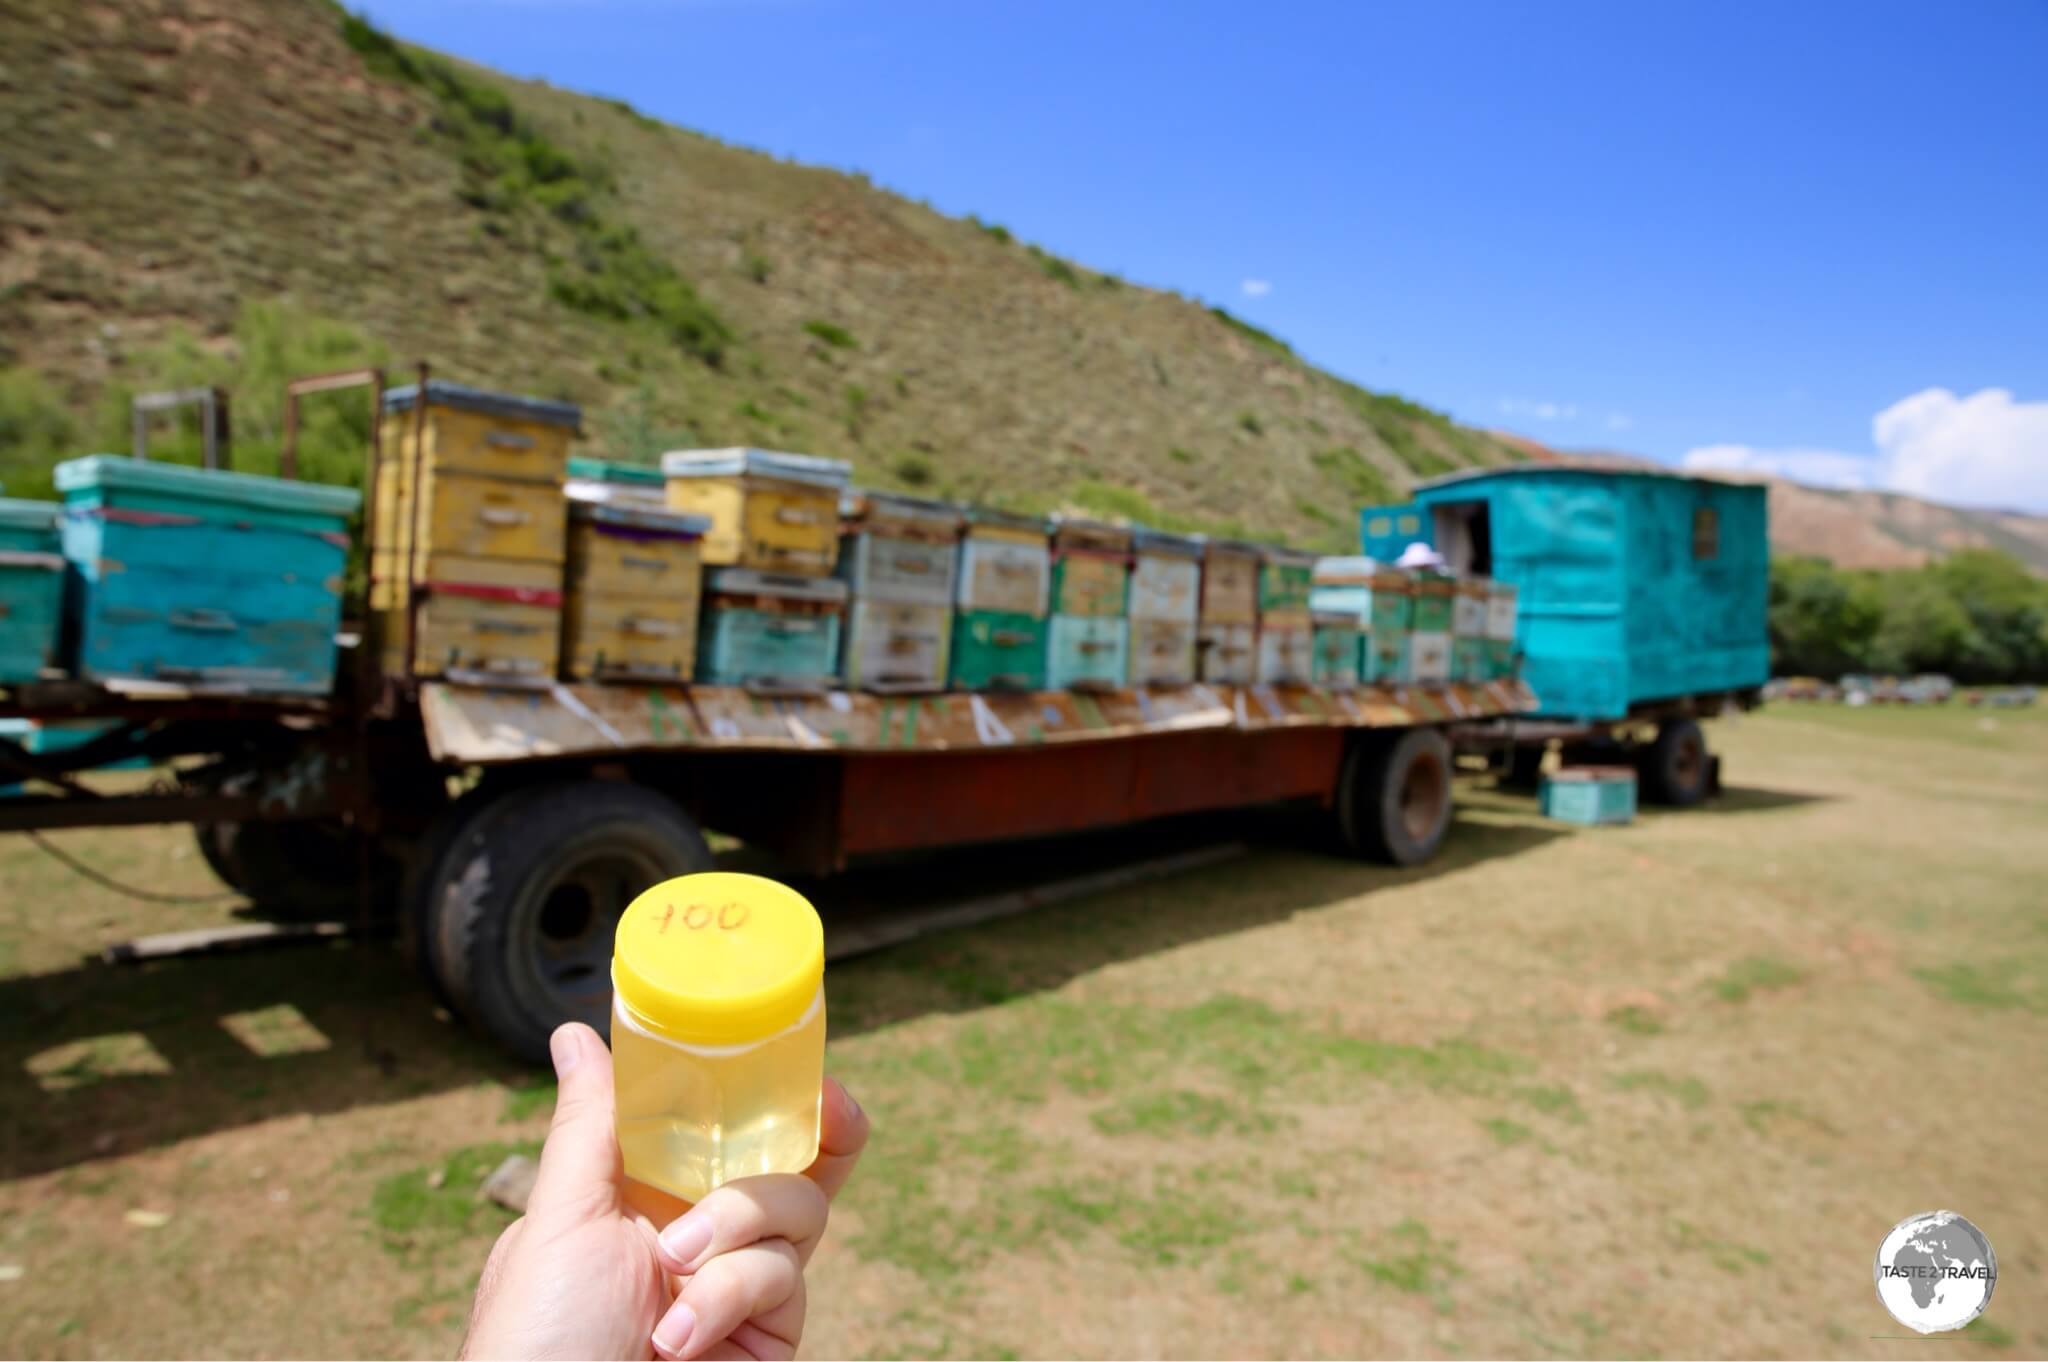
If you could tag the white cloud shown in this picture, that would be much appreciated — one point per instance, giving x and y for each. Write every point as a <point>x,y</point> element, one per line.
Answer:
<point>1255,288</point>
<point>1539,411</point>
<point>1982,450</point>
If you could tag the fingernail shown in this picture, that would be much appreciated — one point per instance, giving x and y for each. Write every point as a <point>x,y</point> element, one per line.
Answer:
<point>852,1106</point>
<point>686,1240</point>
<point>564,1050</point>
<point>672,1335</point>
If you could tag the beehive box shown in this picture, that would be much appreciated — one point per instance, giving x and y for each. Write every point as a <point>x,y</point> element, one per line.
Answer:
<point>1162,651</point>
<point>1286,651</point>
<point>897,645</point>
<point>1091,569</point>
<point>31,589</point>
<point>1393,616</point>
<point>1429,658</point>
<point>1470,660</point>
<point>490,468</point>
<point>1386,658</point>
<point>1166,583</point>
<point>1228,654</point>
<point>775,631</point>
<point>509,630</point>
<point>636,484</point>
<point>1500,659</point>
<point>1087,652</point>
<point>204,578</point>
<point>899,548</point>
<point>1469,599</point>
<point>1285,578</point>
<point>1338,660</point>
<point>632,594</point>
<point>769,511</point>
<point>1005,564</point>
<point>1230,586</point>
<point>998,650</point>
<point>1590,795</point>
<point>1431,611</point>
<point>1500,612</point>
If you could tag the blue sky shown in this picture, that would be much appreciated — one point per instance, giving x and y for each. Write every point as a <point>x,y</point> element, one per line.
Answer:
<point>1803,237</point>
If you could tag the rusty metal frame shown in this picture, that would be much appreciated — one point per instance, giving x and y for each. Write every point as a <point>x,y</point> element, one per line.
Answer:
<point>294,389</point>
<point>214,426</point>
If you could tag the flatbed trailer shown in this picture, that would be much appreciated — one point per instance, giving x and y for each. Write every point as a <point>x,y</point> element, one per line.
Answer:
<point>501,829</point>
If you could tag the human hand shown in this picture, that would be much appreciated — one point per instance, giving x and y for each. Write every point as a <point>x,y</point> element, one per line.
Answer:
<point>590,1271</point>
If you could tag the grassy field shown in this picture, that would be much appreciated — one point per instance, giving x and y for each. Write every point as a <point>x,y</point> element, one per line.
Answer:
<point>1635,1092</point>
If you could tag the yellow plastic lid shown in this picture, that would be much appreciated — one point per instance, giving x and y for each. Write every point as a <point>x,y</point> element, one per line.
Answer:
<point>718,958</point>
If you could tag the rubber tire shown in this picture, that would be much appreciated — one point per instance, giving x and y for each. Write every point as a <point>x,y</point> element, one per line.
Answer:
<point>1375,794</point>
<point>216,846</point>
<point>1524,767</point>
<point>296,871</point>
<point>465,819</point>
<point>488,894</point>
<point>1676,769</point>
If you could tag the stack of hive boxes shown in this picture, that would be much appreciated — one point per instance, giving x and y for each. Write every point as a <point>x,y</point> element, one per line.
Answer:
<point>1341,588</point>
<point>1166,600</point>
<point>1088,643</point>
<point>1429,637</point>
<point>1286,629</point>
<point>898,554</point>
<point>1338,647</point>
<point>772,610</point>
<point>31,589</point>
<point>1500,631</point>
<point>999,630</point>
<point>1470,656</point>
<point>1392,611</point>
<point>632,585</point>
<point>469,527</point>
<point>1228,633</point>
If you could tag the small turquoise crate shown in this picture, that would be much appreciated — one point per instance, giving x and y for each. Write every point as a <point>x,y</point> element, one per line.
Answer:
<point>31,589</point>
<point>1590,795</point>
<point>1087,651</point>
<point>998,650</point>
<point>206,578</point>
<point>770,630</point>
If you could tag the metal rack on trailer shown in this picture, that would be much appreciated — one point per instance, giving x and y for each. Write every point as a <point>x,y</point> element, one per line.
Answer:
<point>502,828</point>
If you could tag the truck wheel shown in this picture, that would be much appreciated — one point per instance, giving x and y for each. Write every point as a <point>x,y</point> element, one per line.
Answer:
<point>1676,768</point>
<point>306,871</point>
<point>1394,798</point>
<point>1524,768</point>
<point>215,846</point>
<point>522,908</point>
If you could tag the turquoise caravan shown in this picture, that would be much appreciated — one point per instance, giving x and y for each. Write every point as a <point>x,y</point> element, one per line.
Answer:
<point>1636,586</point>
<point>201,578</point>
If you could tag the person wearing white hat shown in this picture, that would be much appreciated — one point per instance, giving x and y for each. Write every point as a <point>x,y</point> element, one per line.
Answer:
<point>1420,555</point>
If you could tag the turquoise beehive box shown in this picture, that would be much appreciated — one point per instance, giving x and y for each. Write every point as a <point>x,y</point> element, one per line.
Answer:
<point>31,589</point>
<point>196,577</point>
<point>1591,795</point>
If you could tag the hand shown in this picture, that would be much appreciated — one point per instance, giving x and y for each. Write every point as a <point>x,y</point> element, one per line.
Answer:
<point>589,1272</point>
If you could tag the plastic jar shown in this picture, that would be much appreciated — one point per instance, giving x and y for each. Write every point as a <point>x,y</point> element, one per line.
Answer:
<point>718,1031</point>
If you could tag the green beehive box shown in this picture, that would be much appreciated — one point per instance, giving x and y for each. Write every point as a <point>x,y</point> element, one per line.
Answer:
<point>1285,578</point>
<point>1590,795</point>
<point>1470,663</point>
<point>998,650</point>
<point>1432,609</point>
<point>1500,659</point>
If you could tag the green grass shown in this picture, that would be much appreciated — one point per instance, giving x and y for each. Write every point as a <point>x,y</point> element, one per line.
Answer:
<point>1421,1263</point>
<point>1179,1112</point>
<point>1757,973</point>
<point>1505,1131</point>
<point>1357,477</point>
<point>1998,985</point>
<point>1689,1093</point>
<point>833,334</point>
<point>1265,340</point>
<point>1637,1021</point>
<point>424,1208</point>
<point>1553,1100</point>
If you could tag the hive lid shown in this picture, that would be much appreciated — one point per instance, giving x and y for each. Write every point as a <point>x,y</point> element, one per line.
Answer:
<point>1075,532</point>
<point>204,484</point>
<point>765,463</point>
<point>1008,520</point>
<point>1281,556</point>
<point>1162,543</point>
<point>860,503</point>
<point>734,581</point>
<point>19,514</point>
<point>1332,619</point>
<point>462,397</point>
<point>598,509</point>
<point>1594,773</point>
<point>611,470</point>
<point>1242,548</point>
<point>1356,570</point>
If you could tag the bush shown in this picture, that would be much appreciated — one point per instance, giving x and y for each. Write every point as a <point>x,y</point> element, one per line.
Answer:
<point>1360,479</point>
<point>838,337</point>
<point>1978,616</point>
<point>37,431</point>
<point>994,229</point>
<point>1055,268</point>
<point>1264,339</point>
<point>913,470</point>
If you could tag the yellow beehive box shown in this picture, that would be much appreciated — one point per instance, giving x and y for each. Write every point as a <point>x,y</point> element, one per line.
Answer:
<point>502,632</point>
<point>468,429</point>
<point>768,511</point>
<point>469,515</point>
<point>1230,583</point>
<point>631,605</point>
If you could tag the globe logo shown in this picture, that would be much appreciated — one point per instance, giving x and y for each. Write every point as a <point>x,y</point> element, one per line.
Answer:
<point>1935,1272</point>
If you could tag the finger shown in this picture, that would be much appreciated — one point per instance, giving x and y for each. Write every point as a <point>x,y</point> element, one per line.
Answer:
<point>743,1211</point>
<point>842,1134</point>
<point>580,1168</point>
<point>759,1282</point>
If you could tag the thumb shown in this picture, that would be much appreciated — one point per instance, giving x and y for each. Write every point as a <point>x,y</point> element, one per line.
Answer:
<point>580,1168</point>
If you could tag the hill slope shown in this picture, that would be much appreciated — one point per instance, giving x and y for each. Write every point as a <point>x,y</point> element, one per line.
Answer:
<point>174,164</point>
